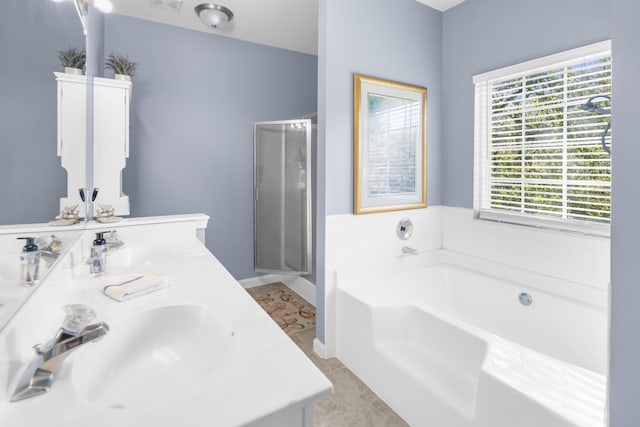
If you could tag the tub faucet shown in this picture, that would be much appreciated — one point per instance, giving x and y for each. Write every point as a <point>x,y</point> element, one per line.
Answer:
<point>409,250</point>
<point>73,333</point>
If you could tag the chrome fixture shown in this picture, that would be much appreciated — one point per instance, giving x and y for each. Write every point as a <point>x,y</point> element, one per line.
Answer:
<point>50,246</point>
<point>74,332</point>
<point>404,229</point>
<point>525,299</point>
<point>113,240</point>
<point>213,15</point>
<point>409,250</point>
<point>591,107</point>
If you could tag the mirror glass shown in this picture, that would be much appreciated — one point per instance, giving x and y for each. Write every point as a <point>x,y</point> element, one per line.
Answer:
<point>14,292</point>
<point>32,181</point>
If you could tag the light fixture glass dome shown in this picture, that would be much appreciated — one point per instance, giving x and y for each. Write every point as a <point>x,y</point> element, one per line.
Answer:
<point>213,15</point>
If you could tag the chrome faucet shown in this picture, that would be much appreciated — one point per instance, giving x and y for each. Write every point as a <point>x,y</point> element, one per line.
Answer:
<point>74,332</point>
<point>409,250</point>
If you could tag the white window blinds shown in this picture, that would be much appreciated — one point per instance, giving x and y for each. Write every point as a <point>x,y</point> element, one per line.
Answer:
<point>539,159</point>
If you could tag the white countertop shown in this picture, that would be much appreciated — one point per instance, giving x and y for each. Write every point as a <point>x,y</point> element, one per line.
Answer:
<point>263,371</point>
<point>200,220</point>
<point>13,295</point>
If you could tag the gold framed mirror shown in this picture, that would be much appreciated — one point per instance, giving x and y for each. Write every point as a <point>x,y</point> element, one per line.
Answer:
<point>390,145</point>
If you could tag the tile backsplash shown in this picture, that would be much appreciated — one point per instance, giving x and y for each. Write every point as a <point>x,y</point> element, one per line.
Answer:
<point>354,241</point>
<point>570,256</point>
<point>361,241</point>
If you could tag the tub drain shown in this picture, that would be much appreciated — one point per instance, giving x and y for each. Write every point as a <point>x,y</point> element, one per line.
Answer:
<point>525,299</point>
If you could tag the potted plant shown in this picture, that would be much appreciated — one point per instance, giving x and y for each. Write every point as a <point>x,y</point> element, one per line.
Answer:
<point>72,59</point>
<point>121,66</point>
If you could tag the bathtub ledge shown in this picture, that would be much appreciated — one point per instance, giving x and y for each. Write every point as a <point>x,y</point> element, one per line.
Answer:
<point>574,393</point>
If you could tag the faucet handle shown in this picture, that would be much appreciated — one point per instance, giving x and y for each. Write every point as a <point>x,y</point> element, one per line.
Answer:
<point>78,316</point>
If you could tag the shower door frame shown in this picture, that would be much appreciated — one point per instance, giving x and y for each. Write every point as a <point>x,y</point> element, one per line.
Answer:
<point>307,125</point>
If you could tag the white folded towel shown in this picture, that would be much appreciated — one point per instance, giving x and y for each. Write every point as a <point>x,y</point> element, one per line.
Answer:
<point>122,288</point>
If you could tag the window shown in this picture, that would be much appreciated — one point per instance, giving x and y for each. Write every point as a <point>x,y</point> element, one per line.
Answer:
<point>539,158</point>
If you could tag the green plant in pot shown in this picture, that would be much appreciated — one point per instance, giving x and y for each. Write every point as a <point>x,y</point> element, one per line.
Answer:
<point>122,67</point>
<point>72,59</point>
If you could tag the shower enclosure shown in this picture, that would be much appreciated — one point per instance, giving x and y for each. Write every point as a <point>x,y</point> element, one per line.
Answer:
<point>283,214</point>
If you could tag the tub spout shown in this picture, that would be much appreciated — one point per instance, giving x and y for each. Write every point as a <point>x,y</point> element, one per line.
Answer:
<point>409,250</point>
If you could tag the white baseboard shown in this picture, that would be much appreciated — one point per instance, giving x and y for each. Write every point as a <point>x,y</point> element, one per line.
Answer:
<point>302,287</point>
<point>252,282</point>
<point>297,284</point>
<point>318,348</point>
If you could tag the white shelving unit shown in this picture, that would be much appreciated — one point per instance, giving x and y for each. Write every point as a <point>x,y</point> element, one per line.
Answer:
<point>111,101</point>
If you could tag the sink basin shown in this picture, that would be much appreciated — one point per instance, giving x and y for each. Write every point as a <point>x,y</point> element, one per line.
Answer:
<point>153,356</point>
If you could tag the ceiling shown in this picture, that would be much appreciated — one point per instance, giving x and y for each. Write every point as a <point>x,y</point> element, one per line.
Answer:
<point>441,5</point>
<point>287,24</point>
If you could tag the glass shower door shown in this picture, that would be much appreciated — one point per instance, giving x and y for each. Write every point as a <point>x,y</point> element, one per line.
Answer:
<point>282,197</point>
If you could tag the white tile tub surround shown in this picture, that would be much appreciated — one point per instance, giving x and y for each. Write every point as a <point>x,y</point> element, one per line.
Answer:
<point>354,241</point>
<point>569,256</point>
<point>362,240</point>
<point>367,240</point>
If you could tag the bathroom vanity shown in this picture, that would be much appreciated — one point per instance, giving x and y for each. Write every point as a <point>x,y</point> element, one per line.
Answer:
<point>198,352</point>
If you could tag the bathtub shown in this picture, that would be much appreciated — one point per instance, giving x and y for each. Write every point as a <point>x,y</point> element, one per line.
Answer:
<point>447,340</point>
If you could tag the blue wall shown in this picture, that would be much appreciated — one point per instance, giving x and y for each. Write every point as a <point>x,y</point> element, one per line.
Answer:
<point>625,228</point>
<point>195,99</point>
<point>363,36</point>
<point>483,35</point>
<point>393,39</point>
<point>31,178</point>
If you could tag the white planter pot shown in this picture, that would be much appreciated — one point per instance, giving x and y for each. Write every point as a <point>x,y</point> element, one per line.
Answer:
<point>71,70</point>
<point>122,77</point>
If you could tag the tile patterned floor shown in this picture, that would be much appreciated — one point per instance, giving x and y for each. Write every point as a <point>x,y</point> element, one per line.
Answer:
<point>352,404</point>
<point>289,310</point>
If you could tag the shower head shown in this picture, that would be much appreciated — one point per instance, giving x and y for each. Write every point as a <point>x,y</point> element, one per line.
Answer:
<point>591,107</point>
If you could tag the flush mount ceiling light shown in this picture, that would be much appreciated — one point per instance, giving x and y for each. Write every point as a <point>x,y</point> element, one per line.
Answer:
<point>213,15</point>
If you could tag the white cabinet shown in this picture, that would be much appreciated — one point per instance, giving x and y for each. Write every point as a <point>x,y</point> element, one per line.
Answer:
<point>72,134</point>
<point>110,141</point>
<point>111,99</point>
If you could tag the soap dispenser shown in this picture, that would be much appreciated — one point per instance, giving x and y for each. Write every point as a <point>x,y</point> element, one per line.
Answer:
<point>29,262</point>
<point>98,262</point>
